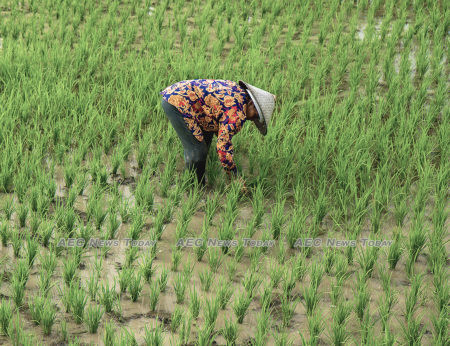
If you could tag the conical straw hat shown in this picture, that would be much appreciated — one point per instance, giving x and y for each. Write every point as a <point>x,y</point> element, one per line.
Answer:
<point>264,102</point>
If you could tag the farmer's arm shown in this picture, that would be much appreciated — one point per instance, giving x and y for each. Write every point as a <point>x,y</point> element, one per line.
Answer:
<point>225,150</point>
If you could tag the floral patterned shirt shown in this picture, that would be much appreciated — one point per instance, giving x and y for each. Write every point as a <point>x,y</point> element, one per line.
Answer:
<point>211,105</point>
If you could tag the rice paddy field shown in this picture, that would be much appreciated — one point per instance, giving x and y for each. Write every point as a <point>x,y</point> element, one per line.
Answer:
<point>96,209</point>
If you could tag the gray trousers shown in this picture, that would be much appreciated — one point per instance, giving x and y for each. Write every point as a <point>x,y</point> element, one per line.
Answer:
<point>195,152</point>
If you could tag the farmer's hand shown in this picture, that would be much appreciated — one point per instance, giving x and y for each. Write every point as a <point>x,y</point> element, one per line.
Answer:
<point>244,189</point>
<point>238,179</point>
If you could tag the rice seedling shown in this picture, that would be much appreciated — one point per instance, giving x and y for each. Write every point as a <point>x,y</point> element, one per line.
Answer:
<point>78,300</point>
<point>282,252</point>
<point>4,233</point>
<point>154,295</point>
<point>287,310</point>
<point>206,278</point>
<point>137,225</point>
<point>338,333</point>
<point>240,305</point>
<point>35,221</point>
<point>127,338</point>
<point>70,270</point>
<point>162,280</point>
<point>113,225</point>
<point>45,233</point>
<point>18,291</point>
<point>144,193</point>
<point>177,317</point>
<point>214,259</point>
<point>176,258</point>
<point>258,205</point>
<point>288,282</point>
<point>147,269</point>
<point>413,295</point>
<point>180,284</point>
<point>48,317</point>
<point>416,242</point>
<point>239,249</point>
<point>395,251</point>
<point>362,296</point>
<point>226,232</point>
<point>263,325</point>
<point>8,207</point>
<point>200,250</point>
<point>92,317</point>
<point>440,325</point>
<point>108,297</point>
<point>205,336</point>
<point>131,254</point>
<point>275,273</point>
<point>17,333</point>
<point>36,306</point>
<point>367,330</point>
<point>125,275</point>
<point>210,311</point>
<point>231,267</point>
<point>6,312</point>
<point>109,336</point>
<point>32,247</point>
<point>441,290</point>
<point>166,175</point>
<point>211,207</point>
<point>154,336</point>
<point>390,298</point>
<point>413,331</point>
<point>251,282</point>
<point>224,293</point>
<point>22,213</point>
<point>230,331</point>
<point>44,282</point>
<point>181,230</point>
<point>124,210</point>
<point>296,227</point>
<point>278,218</point>
<point>135,286</point>
<point>367,259</point>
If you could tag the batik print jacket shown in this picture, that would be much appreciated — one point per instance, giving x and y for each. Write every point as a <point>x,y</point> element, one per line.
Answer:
<point>213,105</point>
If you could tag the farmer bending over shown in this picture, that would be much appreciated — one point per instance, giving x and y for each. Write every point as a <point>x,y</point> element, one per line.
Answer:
<point>200,108</point>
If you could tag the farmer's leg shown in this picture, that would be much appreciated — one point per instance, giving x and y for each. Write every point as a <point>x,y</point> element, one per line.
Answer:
<point>208,136</point>
<point>195,152</point>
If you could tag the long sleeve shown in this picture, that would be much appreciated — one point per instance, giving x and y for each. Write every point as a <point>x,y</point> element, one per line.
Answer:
<point>232,124</point>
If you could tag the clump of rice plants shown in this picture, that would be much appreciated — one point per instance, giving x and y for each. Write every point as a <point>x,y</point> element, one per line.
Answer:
<point>214,259</point>
<point>395,250</point>
<point>6,312</point>
<point>154,295</point>
<point>147,269</point>
<point>177,317</point>
<point>224,293</point>
<point>263,325</point>
<point>180,284</point>
<point>48,317</point>
<point>135,286</point>
<point>211,311</point>
<point>154,336</point>
<point>78,300</point>
<point>206,278</point>
<point>240,305</point>
<point>108,296</point>
<point>230,331</point>
<point>162,280</point>
<point>92,317</point>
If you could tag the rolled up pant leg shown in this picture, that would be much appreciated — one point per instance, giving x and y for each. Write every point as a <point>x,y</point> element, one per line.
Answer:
<point>195,152</point>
